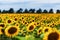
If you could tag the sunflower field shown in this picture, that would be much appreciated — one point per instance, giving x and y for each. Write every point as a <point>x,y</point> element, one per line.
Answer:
<point>29,26</point>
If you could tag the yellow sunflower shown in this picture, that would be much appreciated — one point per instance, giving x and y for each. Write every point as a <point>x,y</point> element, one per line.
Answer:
<point>17,24</point>
<point>9,21</point>
<point>23,22</point>
<point>38,23</point>
<point>52,24</point>
<point>3,25</point>
<point>53,35</point>
<point>22,18</point>
<point>12,31</point>
<point>39,31</point>
<point>1,32</point>
<point>26,23</point>
<point>31,27</point>
<point>47,29</point>
<point>3,18</point>
<point>16,19</point>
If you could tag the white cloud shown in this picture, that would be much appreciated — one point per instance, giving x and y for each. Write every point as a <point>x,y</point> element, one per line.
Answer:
<point>45,1</point>
<point>11,1</point>
<point>35,1</point>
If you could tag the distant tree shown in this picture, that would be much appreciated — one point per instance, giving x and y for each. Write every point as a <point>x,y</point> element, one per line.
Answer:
<point>4,11</point>
<point>32,11</point>
<point>19,11</point>
<point>51,11</point>
<point>0,11</point>
<point>11,10</point>
<point>39,11</point>
<point>26,11</point>
<point>57,11</point>
<point>45,11</point>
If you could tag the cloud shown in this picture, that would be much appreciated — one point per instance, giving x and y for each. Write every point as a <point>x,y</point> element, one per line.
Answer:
<point>7,7</point>
<point>34,1</point>
<point>44,1</point>
<point>44,4</point>
<point>11,1</point>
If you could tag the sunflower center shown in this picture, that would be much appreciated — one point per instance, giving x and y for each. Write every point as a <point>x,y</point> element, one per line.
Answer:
<point>22,18</point>
<point>53,24</point>
<point>53,36</point>
<point>15,19</point>
<point>40,31</point>
<point>9,21</point>
<point>2,30</point>
<point>31,27</point>
<point>25,22</point>
<point>16,24</point>
<point>12,30</point>
<point>2,25</point>
<point>46,30</point>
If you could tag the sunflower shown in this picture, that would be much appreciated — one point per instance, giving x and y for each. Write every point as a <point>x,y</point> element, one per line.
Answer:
<point>39,31</point>
<point>17,24</point>
<point>26,23</point>
<point>38,23</point>
<point>35,23</point>
<point>12,31</point>
<point>3,18</point>
<point>47,29</point>
<point>23,22</point>
<point>48,24</point>
<point>9,21</point>
<point>16,19</point>
<point>1,31</point>
<point>31,27</point>
<point>2,25</point>
<point>22,18</point>
<point>52,24</point>
<point>53,35</point>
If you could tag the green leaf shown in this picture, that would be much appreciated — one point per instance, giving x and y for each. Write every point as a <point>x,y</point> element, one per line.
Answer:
<point>42,35</point>
<point>30,37</point>
<point>58,26</point>
<point>16,38</point>
<point>0,20</point>
<point>38,39</point>
<point>22,38</point>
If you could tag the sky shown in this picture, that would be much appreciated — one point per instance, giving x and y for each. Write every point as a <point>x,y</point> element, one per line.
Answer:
<point>43,4</point>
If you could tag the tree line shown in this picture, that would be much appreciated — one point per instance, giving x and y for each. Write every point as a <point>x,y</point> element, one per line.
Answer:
<point>11,10</point>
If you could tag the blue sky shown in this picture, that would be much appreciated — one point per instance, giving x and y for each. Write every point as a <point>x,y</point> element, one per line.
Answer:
<point>43,4</point>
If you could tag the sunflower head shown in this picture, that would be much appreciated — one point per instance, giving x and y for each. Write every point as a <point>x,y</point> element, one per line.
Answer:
<point>15,19</point>
<point>53,35</point>
<point>17,24</point>
<point>39,31</point>
<point>9,21</point>
<point>12,31</point>
<point>1,30</point>
<point>2,25</point>
<point>30,27</point>
<point>47,29</point>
